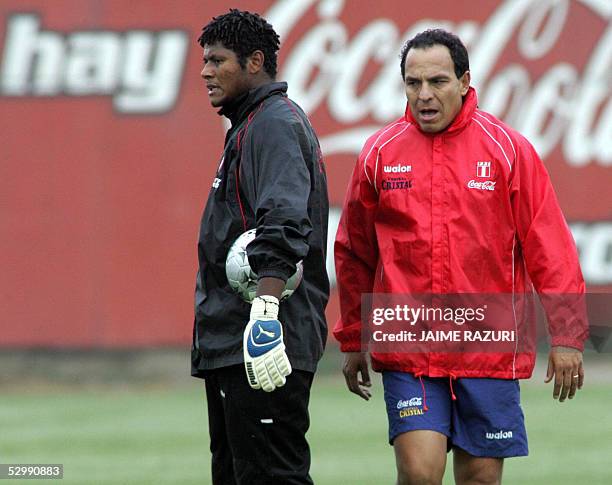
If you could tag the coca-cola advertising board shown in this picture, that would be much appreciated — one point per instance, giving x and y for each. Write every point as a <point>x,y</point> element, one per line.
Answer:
<point>109,144</point>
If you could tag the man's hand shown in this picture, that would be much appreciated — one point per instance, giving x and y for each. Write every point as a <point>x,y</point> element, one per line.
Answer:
<point>265,360</point>
<point>565,365</point>
<point>355,363</point>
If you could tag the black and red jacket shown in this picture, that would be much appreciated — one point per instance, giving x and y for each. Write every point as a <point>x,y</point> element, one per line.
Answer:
<point>270,177</point>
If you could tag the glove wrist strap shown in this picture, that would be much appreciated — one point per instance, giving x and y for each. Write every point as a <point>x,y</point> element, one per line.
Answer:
<point>264,307</point>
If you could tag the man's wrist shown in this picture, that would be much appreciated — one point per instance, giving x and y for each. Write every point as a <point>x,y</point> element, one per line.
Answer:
<point>565,348</point>
<point>270,286</point>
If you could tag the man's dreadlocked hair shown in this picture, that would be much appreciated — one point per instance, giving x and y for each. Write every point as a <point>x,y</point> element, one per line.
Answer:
<point>243,32</point>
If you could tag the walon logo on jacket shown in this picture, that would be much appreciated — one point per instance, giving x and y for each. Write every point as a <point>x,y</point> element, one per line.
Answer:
<point>399,168</point>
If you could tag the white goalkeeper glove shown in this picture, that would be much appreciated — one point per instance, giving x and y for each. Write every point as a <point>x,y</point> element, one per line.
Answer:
<point>265,360</point>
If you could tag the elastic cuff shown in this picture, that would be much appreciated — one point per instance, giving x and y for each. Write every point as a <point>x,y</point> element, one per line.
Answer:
<point>350,347</point>
<point>567,342</point>
<point>273,273</point>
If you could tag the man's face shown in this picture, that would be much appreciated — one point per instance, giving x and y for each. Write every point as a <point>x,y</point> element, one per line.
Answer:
<point>225,78</point>
<point>434,93</point>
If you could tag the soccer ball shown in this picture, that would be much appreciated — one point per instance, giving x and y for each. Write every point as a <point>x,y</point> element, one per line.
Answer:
<point>243,279</point>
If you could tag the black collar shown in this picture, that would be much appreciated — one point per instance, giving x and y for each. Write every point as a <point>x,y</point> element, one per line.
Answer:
<point>240,107</point>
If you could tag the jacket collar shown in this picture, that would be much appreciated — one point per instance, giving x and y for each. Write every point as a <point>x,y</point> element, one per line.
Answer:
<point>470,103</point>
<point>247,102</point>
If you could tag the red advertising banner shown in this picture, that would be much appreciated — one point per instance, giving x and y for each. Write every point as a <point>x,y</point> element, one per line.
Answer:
<point>109,145</point>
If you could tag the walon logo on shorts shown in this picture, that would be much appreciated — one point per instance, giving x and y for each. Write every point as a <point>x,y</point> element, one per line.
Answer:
<point>500,435</point>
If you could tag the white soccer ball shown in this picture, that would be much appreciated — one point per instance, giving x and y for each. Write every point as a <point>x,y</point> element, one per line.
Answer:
<point>243,279</point>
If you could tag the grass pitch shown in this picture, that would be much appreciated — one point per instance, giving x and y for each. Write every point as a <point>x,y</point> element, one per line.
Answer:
<point>158,435</point>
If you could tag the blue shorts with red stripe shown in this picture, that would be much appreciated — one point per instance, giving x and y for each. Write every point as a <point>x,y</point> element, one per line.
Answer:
<point>481,416</point>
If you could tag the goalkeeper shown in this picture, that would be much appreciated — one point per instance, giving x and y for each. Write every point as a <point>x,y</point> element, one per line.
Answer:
<point>258,360</point>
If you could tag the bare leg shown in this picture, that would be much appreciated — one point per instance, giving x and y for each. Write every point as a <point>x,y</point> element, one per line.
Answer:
<point>420,457</point>
<point>474,470</point>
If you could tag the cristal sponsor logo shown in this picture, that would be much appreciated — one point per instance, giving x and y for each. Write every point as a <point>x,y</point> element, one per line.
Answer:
<point>401,184</point>
<point>500,435</point>
<point>405,413</point>
<point>399,168</point>
<point>414,401</point>
<point>140,69</point>
<point>487,185</point>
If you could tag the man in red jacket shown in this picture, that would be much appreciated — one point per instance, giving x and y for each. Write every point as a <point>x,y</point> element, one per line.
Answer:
<point>450,200</point>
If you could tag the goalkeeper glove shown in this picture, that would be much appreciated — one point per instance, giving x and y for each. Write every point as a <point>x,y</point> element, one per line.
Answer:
<point>265,360</point>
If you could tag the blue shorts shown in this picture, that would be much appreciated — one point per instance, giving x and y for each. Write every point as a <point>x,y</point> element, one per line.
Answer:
<point>484,420</point>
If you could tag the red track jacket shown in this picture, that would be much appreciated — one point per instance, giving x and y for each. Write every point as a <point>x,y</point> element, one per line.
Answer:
<point>467,210</point>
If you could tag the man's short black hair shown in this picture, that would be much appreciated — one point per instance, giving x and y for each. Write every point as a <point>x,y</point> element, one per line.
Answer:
<point>432,37</point>
<point>243,32</point>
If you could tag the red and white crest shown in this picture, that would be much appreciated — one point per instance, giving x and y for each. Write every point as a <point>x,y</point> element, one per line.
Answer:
<point>483,169</point>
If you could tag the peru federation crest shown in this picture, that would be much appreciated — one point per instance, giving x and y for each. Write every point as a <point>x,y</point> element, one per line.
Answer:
<point>483,169</point>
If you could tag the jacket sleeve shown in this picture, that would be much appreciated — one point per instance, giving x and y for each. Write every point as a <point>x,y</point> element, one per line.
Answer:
<point>276,179</point>
<point>356,253</point>
<point>548,249</point>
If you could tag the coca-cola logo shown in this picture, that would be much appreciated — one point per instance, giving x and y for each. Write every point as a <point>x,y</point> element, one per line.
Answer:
<point>540,65</point>
<point>488,185</point>
<point>555,101</point>
<point>413,401</point>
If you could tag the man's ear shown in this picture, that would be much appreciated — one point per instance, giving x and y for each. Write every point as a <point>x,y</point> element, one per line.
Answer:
<point>255,62</point>
<point>464,80</point>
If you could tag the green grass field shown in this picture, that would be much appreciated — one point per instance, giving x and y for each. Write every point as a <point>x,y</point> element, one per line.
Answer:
<point>152,435</point>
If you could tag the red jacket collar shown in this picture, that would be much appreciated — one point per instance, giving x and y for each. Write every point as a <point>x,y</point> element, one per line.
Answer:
<point>470,103</point>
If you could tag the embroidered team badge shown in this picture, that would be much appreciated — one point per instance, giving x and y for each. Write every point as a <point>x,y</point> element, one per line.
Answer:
<point>483,169</point>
